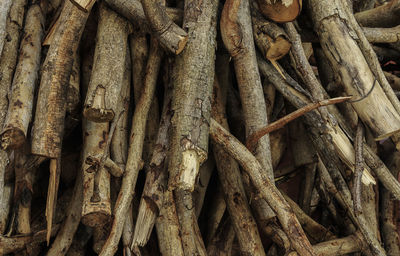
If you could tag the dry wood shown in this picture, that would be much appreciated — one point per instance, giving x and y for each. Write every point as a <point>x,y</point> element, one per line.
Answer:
<point>168,228</point>
<point>254,137</point>
<point>133,11</point>
<point>156,179</point>
<point>85,5</point>
<point>337,137</point>
<point>221,243</point>
<point>17,243</point>
<point>382,35</point>
<point>390,236</point>
<point>229,175</point>
<point>96,207</point>
<point>134,161</point>
<point>201,186</point>
<point>281,10</point>
<point>19,112</point>
<point>49,122</point>
<point>170,35</point>
<point>386,15</point>
<point>270,38</point>
<point>267,190</point>
<point>4,9</point>
<point>193,78</point>
<point>108,70</point>
<point>348,61</point>
<point>238,39</point>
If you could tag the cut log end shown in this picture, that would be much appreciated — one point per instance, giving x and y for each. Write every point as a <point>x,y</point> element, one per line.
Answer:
<point>280,11</point>
<point>278,48</point>
<point>12,138</point>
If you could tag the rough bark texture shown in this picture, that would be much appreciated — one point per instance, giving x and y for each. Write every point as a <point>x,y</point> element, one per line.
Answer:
<point>19,112</point>
<point>193,77</point>
<point>108,70</point>
<point>48,127</point>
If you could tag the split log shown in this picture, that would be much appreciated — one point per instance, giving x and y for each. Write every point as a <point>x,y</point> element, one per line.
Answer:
<point>108,70</point>
<point>19,112</point>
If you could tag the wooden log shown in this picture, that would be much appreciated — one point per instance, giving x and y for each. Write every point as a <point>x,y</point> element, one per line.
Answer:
<point>229,175</point>
<point>96,207</point>
<point>49,122</point>
<point>108,70</point>
<point>189,141</point>
<point>170,35</point>
<point>151,201</point>
<point>386,15</point>
<point>134,160</point>
<point>26,74</point>
<point>268,191</point>
<point>346,58</point>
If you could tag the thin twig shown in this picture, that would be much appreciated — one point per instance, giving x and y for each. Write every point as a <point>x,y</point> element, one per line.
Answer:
<point>253,138</point>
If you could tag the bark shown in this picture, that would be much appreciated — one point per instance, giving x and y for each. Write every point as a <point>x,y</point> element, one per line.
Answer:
<point>170,35</point>
<point>133,11</point>
<point>193,78</point>
<point>168,228</point>
<point>134,161</point>
<point>108,70</point>
<point>390,236</point>
<point>347,60</point>
<point>19,112</point>
<point>386,15</point>
<point>49,122</point>
<point>156,178</point>
<point>4,9</point>
<point>96,207</point>
<point>235,197</point>
<point>267,190</point>
<point>221,243</point>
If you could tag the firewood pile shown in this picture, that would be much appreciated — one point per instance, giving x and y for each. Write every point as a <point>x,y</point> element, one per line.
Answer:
<point>199,127</point>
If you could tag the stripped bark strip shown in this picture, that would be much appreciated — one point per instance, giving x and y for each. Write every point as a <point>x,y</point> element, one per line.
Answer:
<point>229,175</point>
<point>170,35</point>
<point>254,137</point>
<point>134,161</point>
<point>108,70</point>
<point>19,112</point>
<point>267,190</point>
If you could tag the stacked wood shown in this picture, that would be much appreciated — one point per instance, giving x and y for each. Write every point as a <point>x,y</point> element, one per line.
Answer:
<point>180,128</point>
